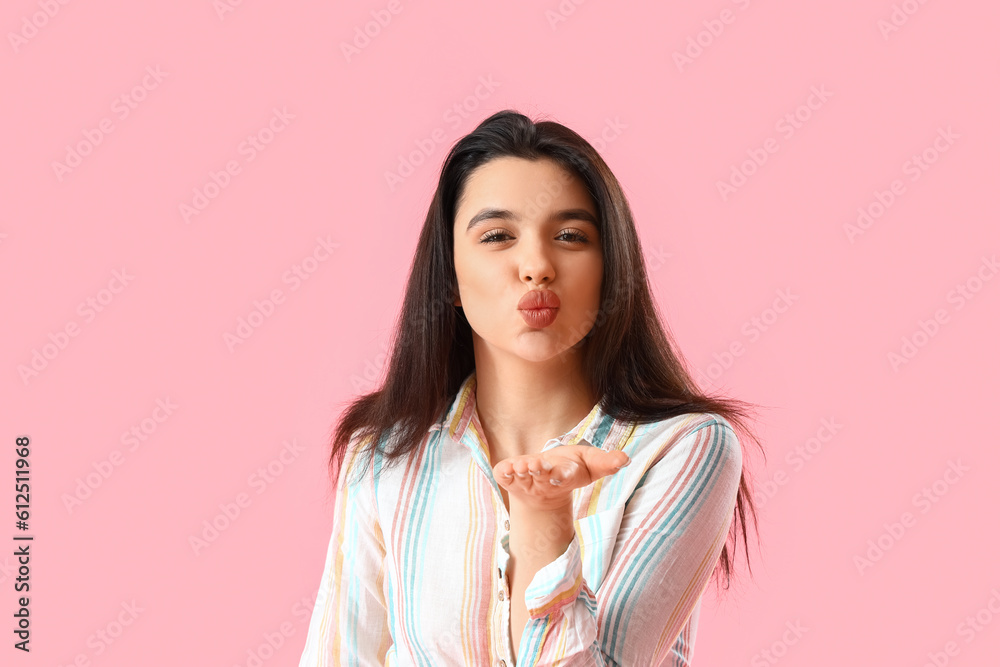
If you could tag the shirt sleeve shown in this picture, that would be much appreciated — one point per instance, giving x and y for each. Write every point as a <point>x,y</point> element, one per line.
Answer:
<point>672,533</point>
<point>349,623</point>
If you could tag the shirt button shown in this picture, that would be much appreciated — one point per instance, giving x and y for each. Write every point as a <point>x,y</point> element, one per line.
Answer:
<point>501,596</point>
<point>506,525</point>
<point>502,663</point>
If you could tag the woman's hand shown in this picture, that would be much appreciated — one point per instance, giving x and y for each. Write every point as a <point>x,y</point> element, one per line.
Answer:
<point>546,480</point>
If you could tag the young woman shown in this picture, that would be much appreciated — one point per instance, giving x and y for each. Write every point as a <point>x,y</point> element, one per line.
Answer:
<point>538,481</point>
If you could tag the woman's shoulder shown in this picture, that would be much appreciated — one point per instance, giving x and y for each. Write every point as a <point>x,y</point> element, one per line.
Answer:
<point>688,423</point>
<point>375,459</point>
<point>704,431</point>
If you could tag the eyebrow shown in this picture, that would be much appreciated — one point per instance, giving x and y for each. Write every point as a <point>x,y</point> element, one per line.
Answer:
<point>504,214</point>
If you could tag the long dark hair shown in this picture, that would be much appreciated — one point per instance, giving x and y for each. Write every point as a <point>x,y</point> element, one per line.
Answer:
<point>630,359</point>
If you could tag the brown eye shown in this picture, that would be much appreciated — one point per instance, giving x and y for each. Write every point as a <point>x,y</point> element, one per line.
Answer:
<point>576,237</point>
<point>493,236</point>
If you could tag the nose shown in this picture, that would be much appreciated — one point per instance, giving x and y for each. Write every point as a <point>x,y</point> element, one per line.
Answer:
<point>535,265</point>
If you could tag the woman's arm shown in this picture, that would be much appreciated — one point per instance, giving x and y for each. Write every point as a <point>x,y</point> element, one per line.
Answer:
<point>349,624</point>
<point>673,528</point>
<point>537,537</point>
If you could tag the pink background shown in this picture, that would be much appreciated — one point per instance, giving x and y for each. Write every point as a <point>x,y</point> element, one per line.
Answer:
<point>670,132</point>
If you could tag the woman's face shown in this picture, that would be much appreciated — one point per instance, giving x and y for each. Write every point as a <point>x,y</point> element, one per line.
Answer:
<point>533,227</point>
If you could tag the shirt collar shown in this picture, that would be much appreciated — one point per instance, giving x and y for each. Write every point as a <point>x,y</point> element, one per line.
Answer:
<point>461,422</point>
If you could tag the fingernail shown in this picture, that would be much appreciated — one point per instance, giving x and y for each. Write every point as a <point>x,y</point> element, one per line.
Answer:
<point>557,482</point>
<point>535,472</point>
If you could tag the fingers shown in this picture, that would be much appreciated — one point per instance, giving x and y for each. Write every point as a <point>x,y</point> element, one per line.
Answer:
<point>524,472</point>
<point>535,470</point>
<point>602,463</point>
<point>623,459</point>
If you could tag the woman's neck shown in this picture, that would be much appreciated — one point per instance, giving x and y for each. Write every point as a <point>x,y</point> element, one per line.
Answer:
<point>520,408</point>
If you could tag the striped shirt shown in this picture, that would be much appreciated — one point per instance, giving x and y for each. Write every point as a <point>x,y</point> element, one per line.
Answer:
<point>416,569</point>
